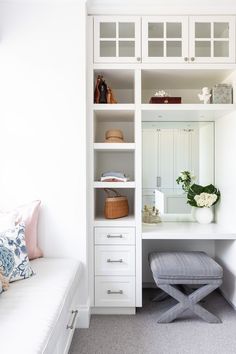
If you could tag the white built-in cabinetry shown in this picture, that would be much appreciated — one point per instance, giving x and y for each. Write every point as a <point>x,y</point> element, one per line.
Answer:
<point>180,55</point>
<point>164,39</point>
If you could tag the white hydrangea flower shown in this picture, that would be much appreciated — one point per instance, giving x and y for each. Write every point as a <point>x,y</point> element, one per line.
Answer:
<point>205,199</point>
<point>183,176</point>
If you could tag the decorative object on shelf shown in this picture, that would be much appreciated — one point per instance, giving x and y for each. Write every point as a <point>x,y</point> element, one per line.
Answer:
<point>162,96</point>
<point>150,215</point>
<point>114,136</point>
<point>185,180</point>
<point>110,96</point>
<point>116,206</point>
<point>113,176</point>
<point>205,95</point>
<point>103,90</point>
<point>96,91</point>
<point>203,198</point>
<point>222,93</point>
<point>103,93</point>
<point>161,93</point>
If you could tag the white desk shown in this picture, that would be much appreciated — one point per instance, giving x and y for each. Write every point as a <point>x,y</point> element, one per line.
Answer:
<point>186,231</point>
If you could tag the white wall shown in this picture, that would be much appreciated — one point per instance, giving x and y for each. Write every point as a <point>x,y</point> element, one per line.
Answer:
<point>225,179</point>
<point>42,120</point>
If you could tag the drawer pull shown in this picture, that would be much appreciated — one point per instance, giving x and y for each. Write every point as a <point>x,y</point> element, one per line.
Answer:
<point>120,292</point>
<point>115,261</point>
<point>74,313</point>
<point>114,236</point>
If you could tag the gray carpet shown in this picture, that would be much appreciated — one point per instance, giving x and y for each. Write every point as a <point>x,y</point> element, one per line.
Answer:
<point>140,334</point>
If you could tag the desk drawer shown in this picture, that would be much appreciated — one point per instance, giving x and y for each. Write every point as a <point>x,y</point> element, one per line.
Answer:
<point>115,291</point>
<point>114,236</point>
<point>114,260</point>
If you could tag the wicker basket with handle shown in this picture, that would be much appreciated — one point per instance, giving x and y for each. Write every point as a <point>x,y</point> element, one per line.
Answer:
<point>116,206</point>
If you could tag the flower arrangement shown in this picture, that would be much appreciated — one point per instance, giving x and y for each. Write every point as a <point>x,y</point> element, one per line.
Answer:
<point>161,93</point>
<point>200,196</point>
<point>185,179</point>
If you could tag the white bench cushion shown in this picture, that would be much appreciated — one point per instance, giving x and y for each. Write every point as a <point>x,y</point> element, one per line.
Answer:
<point>29,310</point>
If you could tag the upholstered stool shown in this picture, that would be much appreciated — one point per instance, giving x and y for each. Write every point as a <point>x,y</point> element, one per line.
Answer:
<point>171,269</point>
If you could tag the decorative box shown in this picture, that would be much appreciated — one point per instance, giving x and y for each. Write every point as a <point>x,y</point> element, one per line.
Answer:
<point>165,100</point>
<point>222,93</point>
<point>150,215</point>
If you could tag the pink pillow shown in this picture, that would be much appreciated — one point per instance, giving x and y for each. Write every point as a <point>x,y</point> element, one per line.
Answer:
<point>28,214</point>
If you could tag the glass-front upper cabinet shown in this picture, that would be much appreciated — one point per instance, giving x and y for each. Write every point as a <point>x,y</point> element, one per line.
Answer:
<point>212,39</point>
<point>165,39</point>
<point>117,39</point>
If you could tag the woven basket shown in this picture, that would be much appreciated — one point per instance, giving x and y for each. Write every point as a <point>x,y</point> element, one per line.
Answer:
<point>116,206</point>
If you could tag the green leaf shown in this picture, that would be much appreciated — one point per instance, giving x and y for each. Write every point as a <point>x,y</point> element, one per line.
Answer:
<point>210,189</point>
<point>192,203</point>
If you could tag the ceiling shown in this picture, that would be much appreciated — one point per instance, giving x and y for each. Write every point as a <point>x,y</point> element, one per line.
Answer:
<point>142,7</point>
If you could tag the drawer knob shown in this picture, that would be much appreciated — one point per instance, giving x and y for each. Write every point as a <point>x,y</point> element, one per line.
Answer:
<point>114,261</point>
<point>114,236</point>
<point>109,292</point>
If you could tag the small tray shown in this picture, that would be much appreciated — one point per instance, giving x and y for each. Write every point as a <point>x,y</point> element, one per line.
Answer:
<point>165,100</point>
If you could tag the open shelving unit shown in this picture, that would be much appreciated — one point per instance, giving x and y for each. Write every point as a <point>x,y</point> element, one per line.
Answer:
<point>120,157</point>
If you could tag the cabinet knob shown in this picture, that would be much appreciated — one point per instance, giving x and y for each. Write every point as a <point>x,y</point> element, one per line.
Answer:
<point>192,58</point>
<point>138,59</point>
<point>185,58</point>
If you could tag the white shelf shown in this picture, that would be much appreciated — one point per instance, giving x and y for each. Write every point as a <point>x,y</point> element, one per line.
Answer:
<point>113,107</point>
<point>126,221</point>
<point>185,112</point>
<point>114,184</point>
<point>114,146</point>
<point>186,231</point>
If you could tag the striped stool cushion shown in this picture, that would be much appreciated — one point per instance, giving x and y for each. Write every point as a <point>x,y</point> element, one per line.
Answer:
<point>184,267</point>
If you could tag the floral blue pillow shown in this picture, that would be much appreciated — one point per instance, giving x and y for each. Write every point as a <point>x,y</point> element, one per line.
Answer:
<point>14,261</point>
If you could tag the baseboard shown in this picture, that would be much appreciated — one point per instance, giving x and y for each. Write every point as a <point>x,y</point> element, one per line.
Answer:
<point>83,317</point>
<point>113,310</point>
<point>227,299</point>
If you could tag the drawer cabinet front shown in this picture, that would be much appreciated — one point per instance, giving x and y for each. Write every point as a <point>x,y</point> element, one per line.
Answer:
<point>115,291</point>
<point>114,236</point>
<point>114,260</point>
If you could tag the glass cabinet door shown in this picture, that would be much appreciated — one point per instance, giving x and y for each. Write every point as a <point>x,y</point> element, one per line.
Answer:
<point>116,39</point>
<point>165,39</point>
<point>212,39</point>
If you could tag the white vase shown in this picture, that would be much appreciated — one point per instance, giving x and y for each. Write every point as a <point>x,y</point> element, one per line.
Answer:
<point>204,215</point>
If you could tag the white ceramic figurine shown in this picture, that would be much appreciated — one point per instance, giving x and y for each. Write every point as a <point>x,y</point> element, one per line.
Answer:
<point>205,95</point>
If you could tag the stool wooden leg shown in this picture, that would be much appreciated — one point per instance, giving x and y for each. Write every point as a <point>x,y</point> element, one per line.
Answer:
<point>188,302</point>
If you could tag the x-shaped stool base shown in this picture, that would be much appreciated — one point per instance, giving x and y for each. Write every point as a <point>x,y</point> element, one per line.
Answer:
<point>188,302</point>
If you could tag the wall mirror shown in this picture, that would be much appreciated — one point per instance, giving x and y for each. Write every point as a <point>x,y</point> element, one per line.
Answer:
<point>167,149</point>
